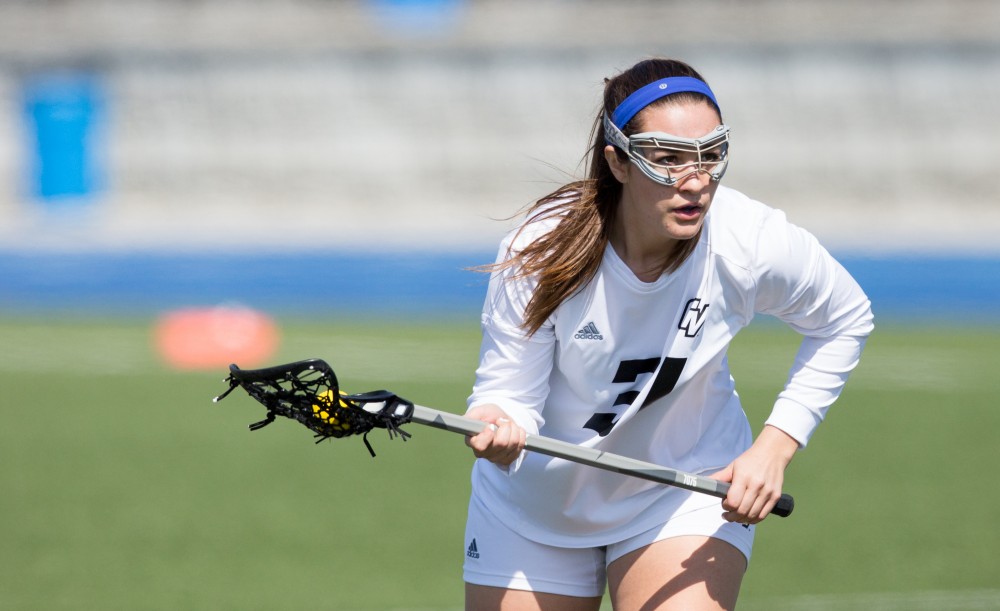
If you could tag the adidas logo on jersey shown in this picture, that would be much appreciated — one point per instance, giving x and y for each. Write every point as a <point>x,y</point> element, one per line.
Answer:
<point>589,331</point>
<point>473,551</point>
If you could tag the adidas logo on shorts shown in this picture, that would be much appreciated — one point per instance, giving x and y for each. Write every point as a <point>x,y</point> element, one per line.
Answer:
<point>589,331</point>
<point>473,551</point>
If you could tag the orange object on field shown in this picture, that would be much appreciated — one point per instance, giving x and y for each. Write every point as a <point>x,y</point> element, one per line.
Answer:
<point>212,338</point>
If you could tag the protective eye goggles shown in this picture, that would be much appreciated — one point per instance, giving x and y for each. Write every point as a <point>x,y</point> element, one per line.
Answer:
<point>669,159</point>
<point>665,158</point>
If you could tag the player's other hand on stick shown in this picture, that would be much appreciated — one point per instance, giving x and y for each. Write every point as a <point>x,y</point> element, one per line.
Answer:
<point>502,442</point>
<point>756,477</point>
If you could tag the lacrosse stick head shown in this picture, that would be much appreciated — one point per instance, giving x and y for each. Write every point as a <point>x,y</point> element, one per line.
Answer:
<point>308,392</point>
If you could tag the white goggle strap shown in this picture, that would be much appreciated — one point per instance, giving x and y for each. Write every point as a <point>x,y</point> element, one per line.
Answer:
<point>613,135</point>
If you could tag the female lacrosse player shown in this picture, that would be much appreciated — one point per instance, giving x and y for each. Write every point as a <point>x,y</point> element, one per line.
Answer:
<point>608,316</point>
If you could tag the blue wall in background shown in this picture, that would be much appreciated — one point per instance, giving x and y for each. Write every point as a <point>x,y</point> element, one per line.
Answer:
<point>952,289</point>
<point>295,284</point>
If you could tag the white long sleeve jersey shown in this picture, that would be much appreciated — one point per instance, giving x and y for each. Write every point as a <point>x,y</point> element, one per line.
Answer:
<point>640,369</point>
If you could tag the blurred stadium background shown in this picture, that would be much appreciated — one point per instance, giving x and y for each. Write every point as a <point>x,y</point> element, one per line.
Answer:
<point>338,164</point>
<point>388,126</point>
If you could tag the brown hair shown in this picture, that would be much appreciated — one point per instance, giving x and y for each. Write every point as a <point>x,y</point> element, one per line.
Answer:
<point>566,258</point>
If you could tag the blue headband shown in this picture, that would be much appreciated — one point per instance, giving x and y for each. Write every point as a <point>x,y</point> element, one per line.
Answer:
<point>644,96</point>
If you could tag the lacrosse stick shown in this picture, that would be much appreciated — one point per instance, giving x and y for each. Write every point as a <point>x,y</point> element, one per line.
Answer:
<point>308,392</point>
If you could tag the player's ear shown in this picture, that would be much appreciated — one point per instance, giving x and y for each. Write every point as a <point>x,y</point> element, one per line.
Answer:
<point>619,167</point>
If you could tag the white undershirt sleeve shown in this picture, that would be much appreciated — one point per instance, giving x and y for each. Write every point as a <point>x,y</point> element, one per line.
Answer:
<point>514,373</point>
<point>514,367</point>
<point>815,381</point>
<point>801,284</point>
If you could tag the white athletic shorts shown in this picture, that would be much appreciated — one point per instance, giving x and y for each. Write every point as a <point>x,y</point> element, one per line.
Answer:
<point>500,557</point>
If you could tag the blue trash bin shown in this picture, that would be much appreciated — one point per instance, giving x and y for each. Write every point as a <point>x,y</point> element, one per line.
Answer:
<point>64,113</point>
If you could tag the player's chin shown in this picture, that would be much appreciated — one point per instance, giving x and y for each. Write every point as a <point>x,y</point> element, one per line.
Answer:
<point>684,229</point>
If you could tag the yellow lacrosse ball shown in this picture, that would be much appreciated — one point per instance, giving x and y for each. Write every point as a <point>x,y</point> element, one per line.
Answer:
<point>320,411</point>
<point>325,400</point>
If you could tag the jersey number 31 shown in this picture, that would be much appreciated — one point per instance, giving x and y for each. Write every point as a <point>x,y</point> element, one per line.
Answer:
<point>631,371</point>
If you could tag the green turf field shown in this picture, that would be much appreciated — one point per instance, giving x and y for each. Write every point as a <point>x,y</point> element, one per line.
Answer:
<point>122,486</point>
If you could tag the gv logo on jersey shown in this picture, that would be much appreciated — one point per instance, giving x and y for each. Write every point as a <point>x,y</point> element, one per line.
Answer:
<point>693,317</point>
